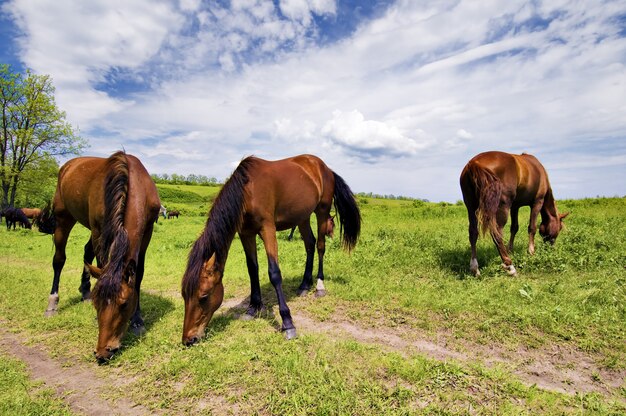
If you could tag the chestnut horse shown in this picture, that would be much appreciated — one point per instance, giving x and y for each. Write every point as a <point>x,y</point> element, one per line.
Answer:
<point>117,200</point>
<point>32,213</point>
<point>262,197</point>
<point>494,183</point>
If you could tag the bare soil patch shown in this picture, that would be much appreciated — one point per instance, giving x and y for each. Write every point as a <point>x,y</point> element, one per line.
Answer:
<point>79,386</point>
<point>559,368</point>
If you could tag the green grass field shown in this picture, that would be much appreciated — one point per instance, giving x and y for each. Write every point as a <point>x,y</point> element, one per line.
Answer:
<point>408,279</point>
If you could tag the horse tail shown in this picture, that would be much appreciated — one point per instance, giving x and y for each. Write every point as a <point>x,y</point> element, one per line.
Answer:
<point>488,189</point>
<point>114,242</point>
<point>348,213</point>
<point>46,221</point>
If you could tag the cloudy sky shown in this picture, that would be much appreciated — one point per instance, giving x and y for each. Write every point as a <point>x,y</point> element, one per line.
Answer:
<point>395,96</point>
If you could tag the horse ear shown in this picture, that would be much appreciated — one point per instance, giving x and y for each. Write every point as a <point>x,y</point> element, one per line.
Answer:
<point>94,271</point>
<point>211,261</point>
<point>563,216</point>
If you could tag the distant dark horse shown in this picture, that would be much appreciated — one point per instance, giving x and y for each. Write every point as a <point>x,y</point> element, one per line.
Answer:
<point>262,197</point>
<point>117,200</point>
<point>173,213</point>
<point>494,183</point>
<point>14,216</point>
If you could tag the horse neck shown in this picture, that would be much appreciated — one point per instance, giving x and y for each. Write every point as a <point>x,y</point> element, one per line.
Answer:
<point>548,210</point>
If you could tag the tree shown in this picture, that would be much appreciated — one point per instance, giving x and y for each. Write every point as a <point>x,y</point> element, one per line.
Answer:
<point>33,128</point>
<point>37,183</point>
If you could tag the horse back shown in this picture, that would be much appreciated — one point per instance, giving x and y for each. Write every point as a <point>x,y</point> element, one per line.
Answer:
<point>144,199</point>
<point>287,190</point>
<point>80,190</point>
<point>522,177</point>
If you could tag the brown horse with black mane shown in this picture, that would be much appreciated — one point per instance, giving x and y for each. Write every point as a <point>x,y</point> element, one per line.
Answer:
<point>262,197</point>
<point>117,200</point>
<point>494,183</point>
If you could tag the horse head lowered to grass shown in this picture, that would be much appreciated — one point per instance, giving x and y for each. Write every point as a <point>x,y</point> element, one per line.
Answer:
<point>117,200</point>
<point>494,183</point>
<point>260,198</point>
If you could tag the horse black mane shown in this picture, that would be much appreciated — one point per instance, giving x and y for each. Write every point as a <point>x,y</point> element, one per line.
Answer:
<point>225,218</point>
<point>113,243</point>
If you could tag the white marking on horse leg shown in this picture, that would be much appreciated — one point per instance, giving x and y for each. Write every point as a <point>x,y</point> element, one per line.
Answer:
<point>320,290</point>
<point>510,269</point>
<point>474,267</point>
<point>53,302</point>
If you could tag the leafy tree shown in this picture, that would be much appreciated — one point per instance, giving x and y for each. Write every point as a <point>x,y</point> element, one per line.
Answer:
<point>37,183</point>
<point>33,128</point>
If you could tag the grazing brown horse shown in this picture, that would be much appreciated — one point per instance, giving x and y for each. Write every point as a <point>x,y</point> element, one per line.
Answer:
<point>32,213</point>
<point>494,183</point>
<point>173,213</point>
<point>117,200</point>
<point>262,197</point>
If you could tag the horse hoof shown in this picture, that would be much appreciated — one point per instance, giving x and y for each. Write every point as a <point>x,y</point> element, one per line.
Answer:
<point>50,312</point>
<point>53,302</point>
<point>302,292</point>
<point>510,270</point>
<point>320,293</point>
<point>138,330</point>
<point>290,334</point>
<point>246,317</point>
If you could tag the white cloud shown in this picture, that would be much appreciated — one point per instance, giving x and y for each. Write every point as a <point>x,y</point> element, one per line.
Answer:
<point>464,134</point>
<point>455,77</point>
<point>369,139</point>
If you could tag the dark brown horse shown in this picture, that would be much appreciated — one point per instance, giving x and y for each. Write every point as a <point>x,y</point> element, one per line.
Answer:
<point>262,197</point>
<point>117,200</point>
<point>494,183</point>
<point>173,213</point>
<point>14,216</point>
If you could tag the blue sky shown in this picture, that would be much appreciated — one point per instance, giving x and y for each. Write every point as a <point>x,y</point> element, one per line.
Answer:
<point>396,96</point>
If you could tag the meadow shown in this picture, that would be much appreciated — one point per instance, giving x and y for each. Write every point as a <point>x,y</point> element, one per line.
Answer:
<point>404,329</point>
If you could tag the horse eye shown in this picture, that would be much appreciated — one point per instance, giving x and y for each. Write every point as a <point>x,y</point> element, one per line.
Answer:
<point>204,298</point>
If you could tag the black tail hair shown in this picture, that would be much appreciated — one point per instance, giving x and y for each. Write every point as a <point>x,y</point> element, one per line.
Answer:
<point>348,213</point>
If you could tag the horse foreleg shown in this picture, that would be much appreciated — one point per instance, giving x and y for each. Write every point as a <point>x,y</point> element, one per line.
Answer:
<point>268,234</point>
<point>58,261</point>
<point>514,226</point>
<point>309,246</point>
<point>136,321</point>
<point>256,303</point>
<point>532,226</point>
<point>85,285</point>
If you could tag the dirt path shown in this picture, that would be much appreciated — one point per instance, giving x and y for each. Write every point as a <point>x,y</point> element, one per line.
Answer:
<point>78,386</point>
<point>556,369</point>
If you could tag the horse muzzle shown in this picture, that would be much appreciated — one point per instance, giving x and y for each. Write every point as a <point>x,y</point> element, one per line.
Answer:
<point>103,356</point>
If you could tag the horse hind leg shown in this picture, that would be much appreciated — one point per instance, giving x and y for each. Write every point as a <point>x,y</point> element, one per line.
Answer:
<point>325,227</point>
<point>309,245</point>
<point>507,263</point>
